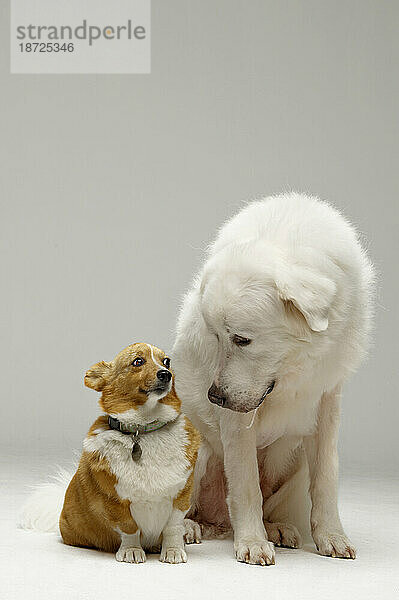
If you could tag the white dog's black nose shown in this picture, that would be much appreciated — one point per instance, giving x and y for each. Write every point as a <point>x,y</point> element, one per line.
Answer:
<point>164,375</point>
<point>216,396</point>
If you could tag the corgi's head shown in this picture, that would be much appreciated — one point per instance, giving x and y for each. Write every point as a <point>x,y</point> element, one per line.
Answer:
<point>137,386</point>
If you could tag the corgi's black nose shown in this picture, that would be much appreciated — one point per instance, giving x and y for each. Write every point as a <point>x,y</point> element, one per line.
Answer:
<point>164,375</point>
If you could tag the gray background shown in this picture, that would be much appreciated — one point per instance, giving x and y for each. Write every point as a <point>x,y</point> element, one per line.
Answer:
<point>112,186</point>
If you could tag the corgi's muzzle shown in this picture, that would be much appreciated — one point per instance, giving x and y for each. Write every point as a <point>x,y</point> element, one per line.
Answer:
<point>163,383</point>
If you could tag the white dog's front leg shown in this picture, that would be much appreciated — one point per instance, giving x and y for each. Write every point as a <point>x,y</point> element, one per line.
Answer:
<point>322,454</point>
<point>244,494</point>
<point>172,550</point>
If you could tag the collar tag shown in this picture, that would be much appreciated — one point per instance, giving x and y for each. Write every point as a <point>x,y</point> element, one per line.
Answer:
<point>136,450</point>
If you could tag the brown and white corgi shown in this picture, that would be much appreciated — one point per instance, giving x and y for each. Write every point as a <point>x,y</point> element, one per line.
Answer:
<point>132,488</point>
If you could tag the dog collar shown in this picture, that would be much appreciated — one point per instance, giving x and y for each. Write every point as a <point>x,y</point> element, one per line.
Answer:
<point>135,429</point>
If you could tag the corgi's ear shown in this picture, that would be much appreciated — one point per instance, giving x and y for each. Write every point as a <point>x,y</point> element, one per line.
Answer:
<point>311,293</point>
<point>96,377</point>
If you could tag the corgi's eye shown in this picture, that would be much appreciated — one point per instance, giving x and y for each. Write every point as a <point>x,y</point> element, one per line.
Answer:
<point>166,362</point>
<point>138,362</point>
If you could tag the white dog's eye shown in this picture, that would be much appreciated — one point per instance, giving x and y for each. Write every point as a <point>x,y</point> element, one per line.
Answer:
<point>166,362</point>
<point>270,387</point>
<point>238,340</point>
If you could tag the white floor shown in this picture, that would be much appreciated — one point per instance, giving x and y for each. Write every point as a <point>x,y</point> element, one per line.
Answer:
<point>39,566</point>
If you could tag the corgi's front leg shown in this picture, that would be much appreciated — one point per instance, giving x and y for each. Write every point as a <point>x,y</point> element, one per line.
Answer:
<point>130,549</point>
<point>172,550</point>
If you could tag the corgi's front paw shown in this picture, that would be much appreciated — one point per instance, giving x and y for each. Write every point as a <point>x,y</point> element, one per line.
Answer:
<point>130,555</point>
<point>173,555</point>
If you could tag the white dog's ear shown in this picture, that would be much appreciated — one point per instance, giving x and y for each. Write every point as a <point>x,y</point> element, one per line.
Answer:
<point>311,293</point>
<point>96,376</point>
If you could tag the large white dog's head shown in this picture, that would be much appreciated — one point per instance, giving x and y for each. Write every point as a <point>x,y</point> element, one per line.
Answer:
<point>263,308</point>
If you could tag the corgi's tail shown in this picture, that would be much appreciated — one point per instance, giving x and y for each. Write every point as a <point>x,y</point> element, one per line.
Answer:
<point>41,511</point>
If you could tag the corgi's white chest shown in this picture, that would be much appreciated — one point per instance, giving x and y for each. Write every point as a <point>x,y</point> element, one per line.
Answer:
<point>151,483</point>
<point>162,469</point>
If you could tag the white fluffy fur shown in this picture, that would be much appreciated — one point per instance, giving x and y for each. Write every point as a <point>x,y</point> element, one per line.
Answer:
<point>42,509</point>
<point>288,272</point>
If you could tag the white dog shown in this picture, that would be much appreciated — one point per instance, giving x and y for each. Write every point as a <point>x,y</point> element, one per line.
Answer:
<point>274,324</point>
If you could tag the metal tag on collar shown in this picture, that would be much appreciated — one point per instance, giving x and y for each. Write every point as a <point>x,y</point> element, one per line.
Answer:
<point>136,448</point>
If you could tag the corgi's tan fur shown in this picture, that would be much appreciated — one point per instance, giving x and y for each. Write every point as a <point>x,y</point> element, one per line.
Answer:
<point>113,502</point>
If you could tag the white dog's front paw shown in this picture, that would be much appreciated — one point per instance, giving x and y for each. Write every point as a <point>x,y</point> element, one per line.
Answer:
<point>332,544</point>
<point>192,532</point>
<point>255,552</point>
<point>173,555</point>
<point>130,555</point>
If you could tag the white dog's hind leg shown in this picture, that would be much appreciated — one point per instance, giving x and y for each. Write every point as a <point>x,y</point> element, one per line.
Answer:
<point>245,497</point>
<point>210,512</point>
<point>283,534</point>
<point>289,506</point>
<point>192,532</point>
<point>322,454</point>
